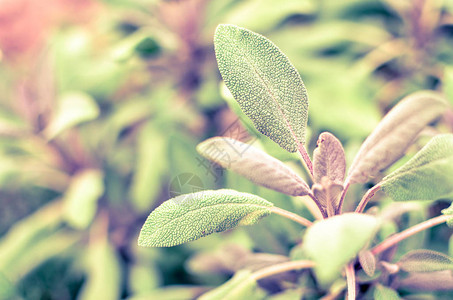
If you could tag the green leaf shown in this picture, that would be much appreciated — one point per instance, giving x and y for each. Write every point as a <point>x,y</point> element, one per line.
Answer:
<point>254,165</point>
<point>80,200</point>
<point>264,82</point>
<point>189,217</point>
<point>425,261</point>
<point>331,243</point>
<point>385,293</point>
<point>427,176</point>
<point>329,159</point>
<point>73,108</point>
<point>241,286</point>
<point>395,133</point>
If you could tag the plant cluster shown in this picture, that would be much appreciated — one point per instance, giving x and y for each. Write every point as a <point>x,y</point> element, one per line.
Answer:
<point>358,244</point>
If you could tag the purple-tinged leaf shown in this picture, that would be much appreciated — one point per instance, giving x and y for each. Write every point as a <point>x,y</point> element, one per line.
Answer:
<point>432,281</point>
<point>368,262</point>
<point>253,164</point>
<point>328,193</point>
<point>425,261</point>
<point>395,133</point>
<point>329,159</point>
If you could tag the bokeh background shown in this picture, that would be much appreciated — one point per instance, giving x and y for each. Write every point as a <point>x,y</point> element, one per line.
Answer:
<point>102,104</point>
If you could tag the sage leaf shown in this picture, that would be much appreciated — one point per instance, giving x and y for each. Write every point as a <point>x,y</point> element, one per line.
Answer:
<point>254,165</point>
<point>395,133</point>
<point>331,243</point>
<point>425,261</point>
<point>241,286</point>
<point>189,217</point>
<point>367,262</point>
<point>329,159</point>
<point>426,176</point>
<point>266,85</point>
<point>432,281</point>
<point>328,193</point>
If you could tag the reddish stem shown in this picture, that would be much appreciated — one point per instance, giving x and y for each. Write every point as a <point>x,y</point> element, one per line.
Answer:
<point>306,159</point>
<point>350,278</point>
<point>343,194</point>
<point>396,238</point>
<point>291,216</point>
<point>282,267</point>
<point>321,209</point>
<point>366,198</point>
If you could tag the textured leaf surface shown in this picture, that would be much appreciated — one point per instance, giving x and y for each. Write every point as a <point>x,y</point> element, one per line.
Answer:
<point>241,286</point>
<point>189,217</point>
<point>427,176</point>
<point>329,159</point>
<point>253,164</point>
<point>425,261</point>
<point>368,262</point>
<point>395,133</point>
<point>333,242</point>
<point>328,193</point>
<point>264,82</point>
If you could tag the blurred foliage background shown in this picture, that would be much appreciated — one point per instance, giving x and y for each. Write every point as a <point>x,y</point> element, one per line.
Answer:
<point>102,104</point>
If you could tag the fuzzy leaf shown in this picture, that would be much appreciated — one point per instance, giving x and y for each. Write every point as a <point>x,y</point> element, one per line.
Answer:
<point>368,262</point>
<point>395,133</point>
<point>254,165</point>
<point>189,217</point>
<point>240,286</point>
<point>329,159</point>
<point>328,193</point>
<point>385,293</point>
<point>425,261</point>
<point>264,82</point>
<point>427,176</point>
<point>432,281</point>
<point>333,242</point>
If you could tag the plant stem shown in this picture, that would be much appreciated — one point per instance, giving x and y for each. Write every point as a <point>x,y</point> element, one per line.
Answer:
<point>281,268</point>
<point>396,238</point>
<point>291,216</point>
<point>306,160</point>
<point>350,278</point>
<point>366,198</point>
<point>343,194</point>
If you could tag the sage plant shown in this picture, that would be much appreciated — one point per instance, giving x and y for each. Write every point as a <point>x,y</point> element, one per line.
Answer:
<point>338,245</point>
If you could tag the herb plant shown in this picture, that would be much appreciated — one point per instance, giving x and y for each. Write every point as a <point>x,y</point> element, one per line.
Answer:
<point>348,253</point>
